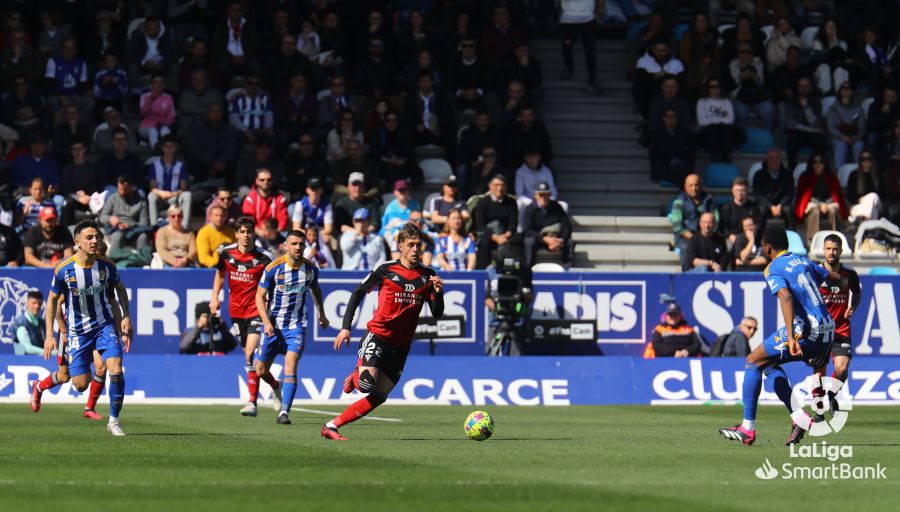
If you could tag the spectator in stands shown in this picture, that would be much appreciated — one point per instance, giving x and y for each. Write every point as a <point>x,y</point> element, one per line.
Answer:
<point>346,205</point>
<point>296,109</point>
<point>24,109</point>
<point>890,154</point>
<point>30,207</point>
<point>785,77</point>
<point>68,131</point>
<point>696,75</point>
<point>515,97</point>
<point>393,149</point>
<point>36,164</point>
<point>235,43</point>
<point>121,162</point>
<point>157,109</point>
<point>527,132</point>
<point>356,163</point>
<point>10,247</point>
<point>742,32</point>
<point>332,106</point>
<point>47,244</point>
<point>304,164</point>
<point>733,212</point>
<point>454,249</point>
<point>892,186</point>
<point>673,337</point>
<point>284,64</point>
<point>126,217</point>
<point>340,137</point>
<point>67,81</point>
<point>103,134</point>
<point>495,223</point>
<point>314,209</point>
<point>208,335</point>
<point>54,31</point>
<point>773,187</point>
<point>397,212</point>
<point>415,38</point>
<point>110,83</point>
<point>846,123</point>
<point>672,149</point>
<point>262,157</point>
<point>79,182</point>
<point>317,250</point>
<point>198,58</point>
<point>264,201</point>
<point>214,235</point>
<point>211,147</point>
<point>656,29</point>
<point>29,329</point>
<point>865,189</point>
<point>737,344</point>
<point>783,38</point>
<point>18,59</point>
<point>499,40</point>
<point>439,208</point>
<point>108,34</point>
<point>424,62</point>
<point>546,225</point>
<point>175,244</point>
<point>167,180</point>
<point>830,58</point>
<point>870,60</point>
<point>375,75</point>
<point>150,51</point>
<point>669,98</point>
<point>749,92</point>
<point>701,39</point>
<point>361,248</point>
<point>251,111</point>
<point>194,100</point>
<point>467,79</point>
<point>747,252</point>
<point>524,70</point>
<point>224,199</point>
<point>692,202</point>
<point>531,174</point>
<point>473,139</point>
<point>707,250</point>
<point>819,193</point>
<point>804,125</point>
<point>428,112</point>
<point>880,117</point>
<point>655,65</point>
<point>271,240</point>
<point>716,118</point>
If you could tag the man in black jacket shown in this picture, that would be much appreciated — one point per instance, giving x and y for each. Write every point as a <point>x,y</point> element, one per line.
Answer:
<point>546,226</point>
<point>496,218</point>
<point>672,150</point>
<point>707,251</point>
<point>673,337</point>
<point>773,187</point>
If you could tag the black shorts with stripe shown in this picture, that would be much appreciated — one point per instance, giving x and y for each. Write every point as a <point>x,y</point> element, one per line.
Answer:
<point>842,346</point>
<point>242,327</point>
<point>389,359</point>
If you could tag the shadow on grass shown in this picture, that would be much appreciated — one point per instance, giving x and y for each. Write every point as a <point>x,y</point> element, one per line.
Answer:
<point>206,434</point>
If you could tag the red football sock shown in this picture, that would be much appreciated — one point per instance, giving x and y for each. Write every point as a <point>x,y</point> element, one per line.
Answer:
<point>270,380</point>
<point>253,385</point>
<point>49,382</point>
<point>357,410</point>
<point>95,392</point>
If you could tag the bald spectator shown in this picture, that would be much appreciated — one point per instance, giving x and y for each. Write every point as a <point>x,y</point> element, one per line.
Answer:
<point>264,202</point>
<point>687,208</point>
<point>176,245</point>
<point>213,236</point>
<point>706,251</point>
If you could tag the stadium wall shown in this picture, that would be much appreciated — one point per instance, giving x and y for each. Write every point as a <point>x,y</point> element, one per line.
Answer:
<point>623,307</point>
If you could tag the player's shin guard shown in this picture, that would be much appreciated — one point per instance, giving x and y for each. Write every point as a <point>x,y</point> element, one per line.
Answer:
<point>751,390</point>
<point>287,394</point>
<point>49,382</point>
<point>781,384</point>
<point>252,384</point>
<point>96,389</point>
<point>358,409</point>
<point>116,395</point>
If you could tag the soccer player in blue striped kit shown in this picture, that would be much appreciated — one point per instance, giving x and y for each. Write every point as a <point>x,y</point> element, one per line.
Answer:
<point>96,298</point>
<point>286,284</point>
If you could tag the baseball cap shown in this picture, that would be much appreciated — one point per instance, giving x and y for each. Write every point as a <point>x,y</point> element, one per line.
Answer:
<point>543,188</point>
<point>47,213</point>
<point>314,183</point>
<point>673,309</point>
<point>356,177</point>
<point>451,180</point>
<point>400,185</point>
<point>361,213</point>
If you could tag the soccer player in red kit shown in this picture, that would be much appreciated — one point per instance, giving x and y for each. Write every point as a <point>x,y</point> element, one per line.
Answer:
<point>242,265</point>
<point>405,286</point>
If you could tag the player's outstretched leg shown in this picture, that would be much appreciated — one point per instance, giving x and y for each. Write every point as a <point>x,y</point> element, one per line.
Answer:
<point>253,389</point>
<point>745,432</point>
<point>60,376</point>
<point>377,388</point>
<point>98,382</point>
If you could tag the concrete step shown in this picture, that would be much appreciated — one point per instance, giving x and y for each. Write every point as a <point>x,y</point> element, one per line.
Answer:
<point>624,241</point>
<point>630,268</point>
<point>631,210</point>
<point>607,255</point>
<point>616,223</point>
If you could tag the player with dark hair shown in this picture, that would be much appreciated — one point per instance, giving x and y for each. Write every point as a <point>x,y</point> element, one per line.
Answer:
<point>241,264</point>
<point>285,285</point>
<point>96,302</point>
<point>807,336</point>
<point>405,286</point>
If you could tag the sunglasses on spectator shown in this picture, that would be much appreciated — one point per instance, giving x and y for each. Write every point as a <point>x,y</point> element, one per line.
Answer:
<point>225,198</point>
<point>263,180</point>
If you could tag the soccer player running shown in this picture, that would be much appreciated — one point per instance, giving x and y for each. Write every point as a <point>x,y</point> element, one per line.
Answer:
<point>241,265</point>
<point>286,284</point>
<point>95,301</point>
<point>405,287</point>
<point>807,335</point>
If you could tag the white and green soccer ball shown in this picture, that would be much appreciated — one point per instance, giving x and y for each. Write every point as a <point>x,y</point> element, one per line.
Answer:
<point>479,426</point>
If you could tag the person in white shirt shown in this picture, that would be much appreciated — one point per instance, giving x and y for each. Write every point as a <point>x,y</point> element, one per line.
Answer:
<point>650,70</point>
<point>362,250</point>
<point>715,116</point>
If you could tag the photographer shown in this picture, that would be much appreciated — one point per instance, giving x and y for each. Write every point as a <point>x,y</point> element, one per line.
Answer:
<point>209,334</point>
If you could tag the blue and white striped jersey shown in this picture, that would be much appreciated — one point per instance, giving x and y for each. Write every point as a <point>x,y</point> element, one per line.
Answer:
<point>457,253</point>
<point>252,111</point>
<point>88,306</point>
<point>289,289</point>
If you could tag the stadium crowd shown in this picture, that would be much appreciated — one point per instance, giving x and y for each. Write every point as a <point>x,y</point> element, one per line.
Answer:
<point>167,121</point>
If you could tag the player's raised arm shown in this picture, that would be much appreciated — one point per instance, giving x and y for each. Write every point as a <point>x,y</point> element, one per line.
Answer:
<point>356,297</point>
<point>49,317</point>
<point>436,301</point>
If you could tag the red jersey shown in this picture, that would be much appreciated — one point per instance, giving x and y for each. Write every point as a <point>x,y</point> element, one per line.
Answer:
<point>837,298</point>
<point>242,273</point>
<point>400,299</point>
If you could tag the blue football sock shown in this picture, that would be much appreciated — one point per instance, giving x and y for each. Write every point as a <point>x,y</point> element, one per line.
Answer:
<point>781,384</point>
<point>288,388</point>
<point>751,390</point>
<point>116,394</point>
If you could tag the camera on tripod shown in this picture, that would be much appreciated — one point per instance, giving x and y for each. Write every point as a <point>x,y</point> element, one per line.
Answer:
<point>509,301</point>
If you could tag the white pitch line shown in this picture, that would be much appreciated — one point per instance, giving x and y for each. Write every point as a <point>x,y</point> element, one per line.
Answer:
<point>327,413</point>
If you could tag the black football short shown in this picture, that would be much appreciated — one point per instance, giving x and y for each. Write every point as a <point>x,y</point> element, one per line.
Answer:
<point>241,327</point>
<point>389,359</point>
<point>842,346</point>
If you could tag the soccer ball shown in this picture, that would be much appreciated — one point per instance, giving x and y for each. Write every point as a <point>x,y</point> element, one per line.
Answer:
<point>479,426</point>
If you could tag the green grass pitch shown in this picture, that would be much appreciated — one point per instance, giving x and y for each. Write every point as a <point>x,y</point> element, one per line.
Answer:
<point>548,458</point>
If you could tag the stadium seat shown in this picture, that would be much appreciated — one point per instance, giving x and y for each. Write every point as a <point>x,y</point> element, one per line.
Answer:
<point>844,173</point>
<point>667,184</point>
<point>436,170</point>
<point>720,175</point>
<point>817,246</point>
<point>860,235</point>
<point>758,141</point>
<point>883,271</point>
<point>827,102</point>
<point>807,37</point>
<point>680,30</point>
<point>634,30</point>
<point>866,103</point>
<point>428,205</point>
<point>752,172</point>
<point>795,243</point>
<point>547,267</point>
<point>798,171</point>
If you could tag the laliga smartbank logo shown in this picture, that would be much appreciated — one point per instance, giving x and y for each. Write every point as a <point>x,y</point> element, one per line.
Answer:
<point>837,465</point>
